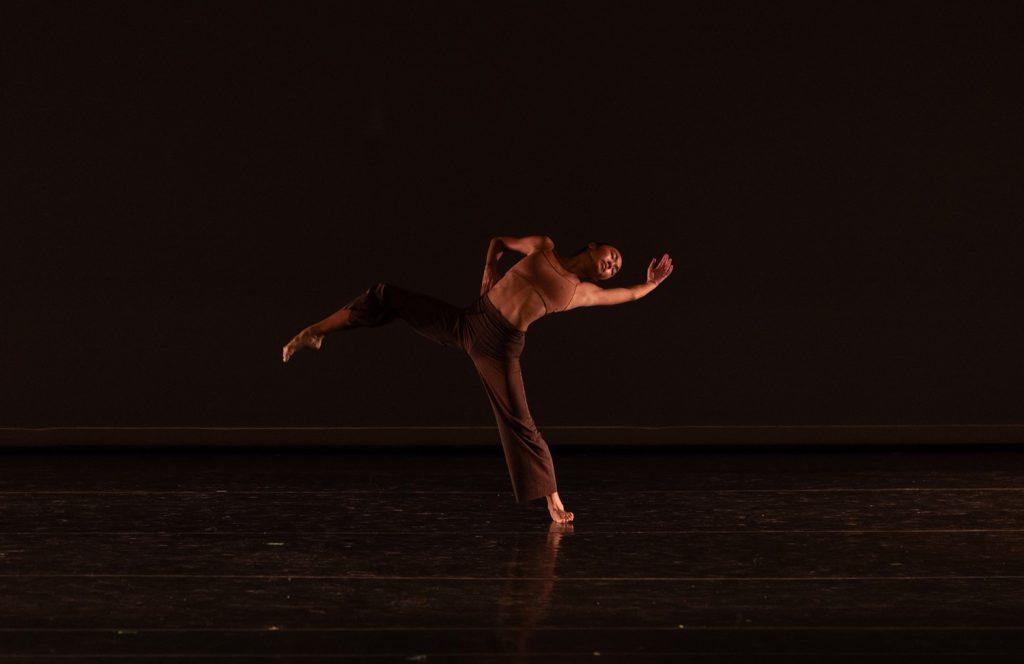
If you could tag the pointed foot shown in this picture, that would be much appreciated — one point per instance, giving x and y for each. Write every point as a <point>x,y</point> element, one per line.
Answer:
<point>304,339</point>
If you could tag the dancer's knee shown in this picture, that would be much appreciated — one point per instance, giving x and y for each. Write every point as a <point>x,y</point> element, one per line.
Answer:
<point>374,307</point>
<point>378,292</point>
<point>529,433</point>
<point>387,292</point>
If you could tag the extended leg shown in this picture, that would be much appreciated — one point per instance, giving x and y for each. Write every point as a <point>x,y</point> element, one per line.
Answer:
<point>429,316</point>
<point>313,336</point>
<point>380,304</point>
<point>335,321</point>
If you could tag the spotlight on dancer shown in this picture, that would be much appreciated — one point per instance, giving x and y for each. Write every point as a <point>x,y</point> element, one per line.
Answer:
<point>492,332</point>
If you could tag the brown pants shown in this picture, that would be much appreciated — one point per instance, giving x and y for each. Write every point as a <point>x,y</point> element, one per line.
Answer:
<point>494,345</point>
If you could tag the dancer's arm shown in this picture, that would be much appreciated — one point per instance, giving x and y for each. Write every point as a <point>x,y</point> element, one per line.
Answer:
<point>524,245</point>
<point>591,295</point>
<point>494,251</point>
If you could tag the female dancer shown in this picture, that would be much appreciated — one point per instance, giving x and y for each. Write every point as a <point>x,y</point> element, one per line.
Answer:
<point>492,331</point>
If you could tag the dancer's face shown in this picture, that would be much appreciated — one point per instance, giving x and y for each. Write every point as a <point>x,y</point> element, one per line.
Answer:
<point>607,260</point>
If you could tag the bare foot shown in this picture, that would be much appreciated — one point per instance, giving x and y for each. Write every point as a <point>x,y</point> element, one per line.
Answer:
<point>304,339</point>
<point>557,510</point>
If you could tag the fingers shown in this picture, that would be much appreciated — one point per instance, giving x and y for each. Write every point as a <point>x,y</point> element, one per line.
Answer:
<point>664,265</point>
<point>664,268</point>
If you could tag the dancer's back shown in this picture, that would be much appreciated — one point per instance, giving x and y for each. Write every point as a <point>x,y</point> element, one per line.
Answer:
<point>534,287</point>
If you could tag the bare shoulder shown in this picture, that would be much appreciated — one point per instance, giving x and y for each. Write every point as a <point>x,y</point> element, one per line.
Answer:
<point>591,295</point>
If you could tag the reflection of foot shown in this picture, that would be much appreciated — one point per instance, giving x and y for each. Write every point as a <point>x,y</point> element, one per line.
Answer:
<point>304,339</point>
<point>556,530</point>
<point>557,510</point>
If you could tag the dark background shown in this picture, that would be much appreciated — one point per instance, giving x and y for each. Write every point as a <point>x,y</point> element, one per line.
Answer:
<point>189,184</point>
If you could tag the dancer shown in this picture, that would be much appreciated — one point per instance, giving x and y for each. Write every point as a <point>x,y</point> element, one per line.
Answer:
<point>492,331</point>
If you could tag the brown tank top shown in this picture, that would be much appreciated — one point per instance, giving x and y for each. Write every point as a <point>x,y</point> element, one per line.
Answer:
<point>555,285</point>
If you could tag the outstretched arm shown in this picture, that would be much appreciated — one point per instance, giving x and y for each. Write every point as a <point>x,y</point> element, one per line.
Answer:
<point>590,295</point>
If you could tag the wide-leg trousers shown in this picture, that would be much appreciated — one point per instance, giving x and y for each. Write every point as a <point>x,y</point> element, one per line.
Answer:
<point>494,345</point>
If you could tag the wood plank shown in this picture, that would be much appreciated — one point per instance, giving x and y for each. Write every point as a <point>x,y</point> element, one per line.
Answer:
<point>207,601</point>
<point>575,554</point>
<point>538,639</point>
<point>597,511</point>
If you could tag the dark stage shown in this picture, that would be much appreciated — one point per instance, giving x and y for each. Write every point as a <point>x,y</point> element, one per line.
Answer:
<point>806,444</point>
<point>693,555</point>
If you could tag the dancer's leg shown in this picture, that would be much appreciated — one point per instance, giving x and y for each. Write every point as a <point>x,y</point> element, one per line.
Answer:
<point>526,452</point>
<point>429,316</point>
<point>380,304</point>
<point>335,321</point>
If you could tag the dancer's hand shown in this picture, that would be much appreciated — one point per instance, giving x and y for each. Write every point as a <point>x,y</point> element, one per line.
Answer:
<point>490,276</point>
<point>658,273</point>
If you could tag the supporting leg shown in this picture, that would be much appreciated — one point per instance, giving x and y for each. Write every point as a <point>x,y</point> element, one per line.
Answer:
<point>527,455</point>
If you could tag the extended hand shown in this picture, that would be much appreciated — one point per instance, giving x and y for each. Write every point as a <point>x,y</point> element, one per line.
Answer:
<point>658,273</point>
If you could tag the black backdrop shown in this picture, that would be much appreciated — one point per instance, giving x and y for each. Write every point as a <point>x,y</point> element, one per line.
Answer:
<point>189,184</point>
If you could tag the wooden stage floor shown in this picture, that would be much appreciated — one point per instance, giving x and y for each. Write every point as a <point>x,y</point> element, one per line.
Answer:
<point>423,556</point>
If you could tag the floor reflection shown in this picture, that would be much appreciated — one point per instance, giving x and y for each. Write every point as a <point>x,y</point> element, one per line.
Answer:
<point>524,599</point>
